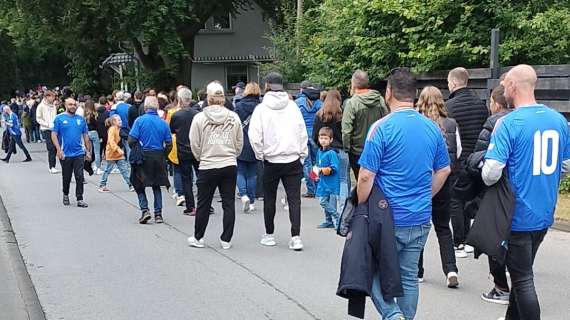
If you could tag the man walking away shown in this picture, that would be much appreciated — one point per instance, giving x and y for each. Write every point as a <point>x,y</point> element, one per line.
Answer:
<point>69,135</point>
<point>531,142</point>
<point>360,112</point>
<point>279,138</point>
<point>470,113</point>
<point>180,125</point>
<point>151,136</point>
<point>409,184</point>
<point>309,103</point>
<point>13,125</point>
<point>217,139</point>
<point>45,116</point>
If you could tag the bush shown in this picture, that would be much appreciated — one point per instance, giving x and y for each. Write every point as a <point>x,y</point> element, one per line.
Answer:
<point>565,185</point>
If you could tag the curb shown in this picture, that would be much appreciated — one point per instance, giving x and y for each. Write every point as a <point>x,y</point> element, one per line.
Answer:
<point>27,289</point>
<point>561,226</point>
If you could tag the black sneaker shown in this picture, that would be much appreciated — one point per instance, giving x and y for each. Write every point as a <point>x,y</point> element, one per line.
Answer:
<point>144,217</point>
<point>158,219</point>
<point>27,160</point>
<point>82,204</point>
<point>66,201</point>
<point>496,296</point>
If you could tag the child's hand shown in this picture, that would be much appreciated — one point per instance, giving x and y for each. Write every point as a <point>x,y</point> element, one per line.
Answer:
<point>326,171</point>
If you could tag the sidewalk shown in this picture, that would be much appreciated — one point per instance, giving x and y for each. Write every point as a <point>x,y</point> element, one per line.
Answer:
<point>99,263</point>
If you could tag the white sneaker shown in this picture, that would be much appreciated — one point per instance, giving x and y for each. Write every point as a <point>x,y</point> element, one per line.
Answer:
<point>460,253</point>
<point>452,280</point>
<point>180,201</point>
<point>245,202</point>
<point>268,240</point>
<point>420,280</point>
<point>54,171</point>
<point>174,195</point>
<point>225,245</point>
<point>115,171</point>
<point>251,208</point>
<point>193,242</point>
<point>501,318</point>
<point>296,243</point>
<point>99,172</point>
<point>469,249</point>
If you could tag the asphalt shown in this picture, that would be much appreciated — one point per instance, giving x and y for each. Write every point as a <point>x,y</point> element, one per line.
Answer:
<point>99,263</point>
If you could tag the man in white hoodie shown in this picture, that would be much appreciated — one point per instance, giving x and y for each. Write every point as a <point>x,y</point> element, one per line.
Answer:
<point>278,137</point>
<point>45,116</point>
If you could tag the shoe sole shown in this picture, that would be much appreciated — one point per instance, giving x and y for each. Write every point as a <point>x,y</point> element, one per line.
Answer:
<point>144,220</point>
<point>196,245</point>
<point>452,282</point>
<point>501,302</point>
<point>245,206</point>
<point>271,244</point>
<point>461,256</point>
<point>298,249</point>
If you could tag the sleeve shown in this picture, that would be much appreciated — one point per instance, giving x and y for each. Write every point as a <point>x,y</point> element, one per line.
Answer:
<point>458,141</point>
<point>56,126</point>
<point>196,138</point>
<point>373,152</point>
<point>334,162</point>
<point>167,134</point>
<point>347,121</point>
<point>566,155</point>
<point>84,128</point>
<point>303,136</point>
<point>135,131</point>
<point>111,141</point>
<point>500,147</point>
<point>239,136</point>
<point>441,159</point>
<point>40,116</point>
<point>255,133</point>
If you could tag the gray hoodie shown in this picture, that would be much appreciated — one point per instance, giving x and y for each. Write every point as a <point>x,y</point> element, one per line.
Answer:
<point>216,137</point>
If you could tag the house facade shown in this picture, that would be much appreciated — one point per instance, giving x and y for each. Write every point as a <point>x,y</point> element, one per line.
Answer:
<point>231,48</point>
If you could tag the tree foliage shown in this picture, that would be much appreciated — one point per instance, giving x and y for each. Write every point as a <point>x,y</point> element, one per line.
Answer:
<point>377,35</point>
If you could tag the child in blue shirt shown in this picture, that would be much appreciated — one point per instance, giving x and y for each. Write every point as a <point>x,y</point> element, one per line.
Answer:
<point>328,187</point>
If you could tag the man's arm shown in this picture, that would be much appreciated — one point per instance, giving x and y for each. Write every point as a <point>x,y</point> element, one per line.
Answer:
<point>55,142</point>
<point>492,171</point>
<point>88,149</point>
<point>438,179</point>
<point>364,184</point>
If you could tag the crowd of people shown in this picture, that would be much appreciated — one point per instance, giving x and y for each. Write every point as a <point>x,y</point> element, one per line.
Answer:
<point>433,161</point>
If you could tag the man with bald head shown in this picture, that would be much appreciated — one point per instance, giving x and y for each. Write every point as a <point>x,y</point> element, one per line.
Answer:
<point>71,140</point>
<point>470,113</point>
<point>531,142</point>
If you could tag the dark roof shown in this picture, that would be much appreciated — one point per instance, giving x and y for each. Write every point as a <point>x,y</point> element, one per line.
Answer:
<point>119,58</point>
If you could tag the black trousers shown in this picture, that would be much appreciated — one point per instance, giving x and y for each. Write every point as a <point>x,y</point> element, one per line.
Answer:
<point>523,303</point>
<point>16,140</point>
<point>208,180</point>
<point>440,218</point>
<point>290,174</point>
<point>69,167</point>
<point>187,182</point>
<point>460,222</point>
<point>499,272</point>
<point>353,161</point>
<point>46,134</point>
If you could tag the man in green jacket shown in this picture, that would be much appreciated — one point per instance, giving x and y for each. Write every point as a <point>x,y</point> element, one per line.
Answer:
<point>364,108</point>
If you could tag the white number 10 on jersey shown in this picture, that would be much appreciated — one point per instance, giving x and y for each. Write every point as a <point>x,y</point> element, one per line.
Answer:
<point>542,141</point>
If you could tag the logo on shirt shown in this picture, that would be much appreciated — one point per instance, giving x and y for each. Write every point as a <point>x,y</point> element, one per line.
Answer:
<point>78,122</point>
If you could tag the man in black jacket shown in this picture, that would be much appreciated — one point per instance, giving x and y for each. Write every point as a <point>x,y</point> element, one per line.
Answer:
<point>470,113</point>
<point>180,125</point>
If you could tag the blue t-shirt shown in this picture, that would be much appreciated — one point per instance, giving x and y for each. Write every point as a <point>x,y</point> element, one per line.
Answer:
<point>532,141</point>
<point>122,110</point>
<point>328,185</point>
<point>70,131</point>
<point>151,131</point>
<point>403,149</point>
<point>14,124</point>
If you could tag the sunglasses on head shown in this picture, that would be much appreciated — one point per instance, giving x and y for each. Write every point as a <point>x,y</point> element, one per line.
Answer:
<point>395,70</point>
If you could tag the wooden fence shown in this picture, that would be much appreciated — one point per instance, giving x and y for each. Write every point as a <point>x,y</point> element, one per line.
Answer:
<point>553,87</point>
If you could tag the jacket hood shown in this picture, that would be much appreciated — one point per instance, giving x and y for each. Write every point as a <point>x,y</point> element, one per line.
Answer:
<point>276,100</point>
<point>217,114</point>
<point>371,99</point>
<point>312,94</point>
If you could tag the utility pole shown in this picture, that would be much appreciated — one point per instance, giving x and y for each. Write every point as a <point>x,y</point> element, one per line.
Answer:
<point>299,21</point>
<point>494,63</point>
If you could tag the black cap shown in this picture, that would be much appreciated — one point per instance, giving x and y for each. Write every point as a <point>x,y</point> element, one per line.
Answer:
<point>306,84</point>
<point>240,85</point>
<point>274,81</point>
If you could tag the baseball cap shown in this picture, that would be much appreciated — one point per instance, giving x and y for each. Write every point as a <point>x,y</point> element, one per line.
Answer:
<point>240,85</point>
<point>274,81</point>
<point>306,84</point>
<point>214,89</point>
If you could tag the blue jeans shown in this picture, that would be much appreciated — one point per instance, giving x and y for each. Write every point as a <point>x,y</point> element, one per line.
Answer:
<point>177,180</point>
<point>344,175</point>
<point>328,203</point>
<point>94,138</point>
<point>410,241</point>
<point>143,202</point>
<point>247,179</point>
<point>310,161</point>
<point>123,168</point>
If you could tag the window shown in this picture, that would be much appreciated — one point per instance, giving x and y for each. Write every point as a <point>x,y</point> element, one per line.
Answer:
<point>219,22</point>
<point>235,74</point>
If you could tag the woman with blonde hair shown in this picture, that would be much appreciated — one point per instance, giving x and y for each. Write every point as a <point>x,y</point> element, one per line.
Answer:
<point>431,105</point>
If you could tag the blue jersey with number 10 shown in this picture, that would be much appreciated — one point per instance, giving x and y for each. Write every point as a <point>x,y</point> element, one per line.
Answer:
<point>532,141</point>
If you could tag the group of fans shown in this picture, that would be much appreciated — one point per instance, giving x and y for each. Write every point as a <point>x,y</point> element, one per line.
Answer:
<point>431,159</point>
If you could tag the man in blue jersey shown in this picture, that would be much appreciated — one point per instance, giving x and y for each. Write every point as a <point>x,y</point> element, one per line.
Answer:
<point>404,154</point>
<point>13,126</point>
<point>70,138</point>
<point>531,142</point>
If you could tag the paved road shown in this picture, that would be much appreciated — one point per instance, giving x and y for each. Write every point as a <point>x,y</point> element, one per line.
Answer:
<point>99,263</point>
